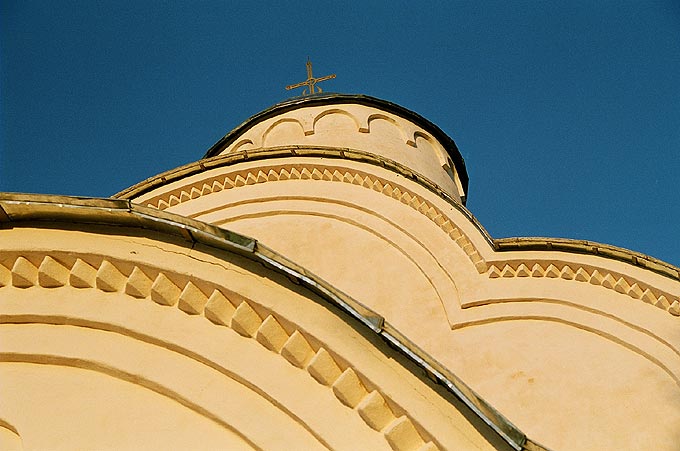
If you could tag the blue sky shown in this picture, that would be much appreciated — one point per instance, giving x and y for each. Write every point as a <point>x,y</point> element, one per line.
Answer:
<point>567,113</point>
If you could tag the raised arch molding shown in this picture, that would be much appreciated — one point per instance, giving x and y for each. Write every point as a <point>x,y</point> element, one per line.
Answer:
<point>331,111</point>
<point>378,116</point>
<point>272,127</point>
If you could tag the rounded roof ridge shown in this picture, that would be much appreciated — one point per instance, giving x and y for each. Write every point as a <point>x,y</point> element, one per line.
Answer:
<point>334,99</point>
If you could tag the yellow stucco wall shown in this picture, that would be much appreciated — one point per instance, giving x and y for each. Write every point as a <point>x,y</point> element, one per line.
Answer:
<point>116,339</point>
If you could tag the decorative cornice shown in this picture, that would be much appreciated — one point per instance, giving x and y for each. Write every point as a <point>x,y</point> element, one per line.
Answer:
<point>588,248</point>
<point>320,172</point>
<point>223,308</point>
<point>625,285</point>
<point>326,152</point>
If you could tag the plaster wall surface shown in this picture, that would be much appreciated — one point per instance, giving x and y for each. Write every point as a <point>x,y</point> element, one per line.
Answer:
<point>206,344</point>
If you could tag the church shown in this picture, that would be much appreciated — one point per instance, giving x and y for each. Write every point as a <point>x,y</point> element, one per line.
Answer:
<point>315,281</point>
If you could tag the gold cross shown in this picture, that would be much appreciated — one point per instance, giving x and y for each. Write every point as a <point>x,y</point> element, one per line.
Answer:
<point>310,82</point>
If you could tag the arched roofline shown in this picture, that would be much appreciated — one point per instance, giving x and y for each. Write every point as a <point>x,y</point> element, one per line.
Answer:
<point>359,99</point>
<point>31,210</point>
<point>571,246</point>
<point>240,156</point>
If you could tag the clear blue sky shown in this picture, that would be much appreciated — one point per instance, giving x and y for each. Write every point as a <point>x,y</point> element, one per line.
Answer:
<point>566,112</point>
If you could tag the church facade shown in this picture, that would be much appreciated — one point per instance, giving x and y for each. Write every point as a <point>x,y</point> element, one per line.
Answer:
<point>316,282</point>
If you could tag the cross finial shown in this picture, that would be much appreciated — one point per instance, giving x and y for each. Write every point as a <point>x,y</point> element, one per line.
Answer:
<point>311,82</point>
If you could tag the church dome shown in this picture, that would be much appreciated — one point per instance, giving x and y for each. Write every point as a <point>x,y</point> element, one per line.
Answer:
<point>380,130</point>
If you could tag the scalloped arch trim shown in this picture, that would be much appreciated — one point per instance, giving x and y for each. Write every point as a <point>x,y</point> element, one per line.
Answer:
<point>274,126</point>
